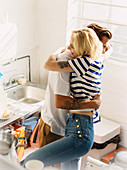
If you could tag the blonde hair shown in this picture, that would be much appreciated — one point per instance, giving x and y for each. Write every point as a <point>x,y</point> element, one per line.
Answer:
<point>86,42</point>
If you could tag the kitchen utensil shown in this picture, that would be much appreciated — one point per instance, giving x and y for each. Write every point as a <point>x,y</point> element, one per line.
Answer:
<point>8,142</point>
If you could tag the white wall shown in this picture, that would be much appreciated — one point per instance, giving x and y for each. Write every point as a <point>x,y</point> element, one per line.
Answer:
<point>24,14</point>
<point>52,30</point>
<point>114,93</point>
<point>41,29</point>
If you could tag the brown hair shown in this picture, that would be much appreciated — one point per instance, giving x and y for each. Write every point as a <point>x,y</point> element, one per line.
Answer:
<point>100,31</point>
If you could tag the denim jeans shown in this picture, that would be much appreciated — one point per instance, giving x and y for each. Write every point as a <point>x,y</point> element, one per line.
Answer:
<point>78,140</point>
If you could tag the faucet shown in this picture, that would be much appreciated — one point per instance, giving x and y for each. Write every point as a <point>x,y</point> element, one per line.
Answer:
<point>13,81</point>
<point>15,77</point>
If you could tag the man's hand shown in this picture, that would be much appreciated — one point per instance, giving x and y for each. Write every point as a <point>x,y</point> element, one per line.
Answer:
<point>97,101</point>
<point>86,101</point>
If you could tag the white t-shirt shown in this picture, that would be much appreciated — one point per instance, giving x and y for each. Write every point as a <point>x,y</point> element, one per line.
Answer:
<point>58,83</point>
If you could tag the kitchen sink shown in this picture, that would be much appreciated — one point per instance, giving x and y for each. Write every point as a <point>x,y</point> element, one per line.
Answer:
<point>27,94</point>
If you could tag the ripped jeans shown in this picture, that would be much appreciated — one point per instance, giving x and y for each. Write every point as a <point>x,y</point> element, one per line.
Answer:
<point>78,140</point>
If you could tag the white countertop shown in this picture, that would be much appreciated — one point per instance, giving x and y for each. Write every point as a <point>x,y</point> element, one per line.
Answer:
<point>20,111</point>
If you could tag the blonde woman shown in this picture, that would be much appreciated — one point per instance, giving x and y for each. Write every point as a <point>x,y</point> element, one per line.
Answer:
<point>79,133</point>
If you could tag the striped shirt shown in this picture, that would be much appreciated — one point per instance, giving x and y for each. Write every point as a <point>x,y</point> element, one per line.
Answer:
<point>85,81</point>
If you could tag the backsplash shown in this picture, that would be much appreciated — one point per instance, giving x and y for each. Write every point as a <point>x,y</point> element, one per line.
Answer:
<point>15,68</point>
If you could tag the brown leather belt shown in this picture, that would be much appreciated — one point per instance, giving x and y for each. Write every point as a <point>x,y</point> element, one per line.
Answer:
<point>82,112</point>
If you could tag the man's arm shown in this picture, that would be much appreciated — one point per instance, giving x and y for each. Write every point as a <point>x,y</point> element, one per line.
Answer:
<point>69,103</point>
<point>53,65</point>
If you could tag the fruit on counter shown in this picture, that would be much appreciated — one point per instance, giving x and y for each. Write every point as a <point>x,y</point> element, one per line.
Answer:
<point>22,81</point>
<point>6,114</point>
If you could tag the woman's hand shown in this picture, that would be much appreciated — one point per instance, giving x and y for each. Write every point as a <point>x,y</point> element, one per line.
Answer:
<point>106,47</point>
<point>54,56</point>
<point>63,49</point>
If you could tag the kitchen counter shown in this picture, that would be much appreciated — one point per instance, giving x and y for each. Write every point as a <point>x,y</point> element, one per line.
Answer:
<point>20,110</point>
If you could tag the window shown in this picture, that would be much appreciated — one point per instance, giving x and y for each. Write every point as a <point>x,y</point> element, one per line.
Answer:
<point>110,13</point>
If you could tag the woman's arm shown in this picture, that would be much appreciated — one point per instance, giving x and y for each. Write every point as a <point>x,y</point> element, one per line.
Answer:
<point>78,65</point>
<point>53,65</point>
<point>69,103</point>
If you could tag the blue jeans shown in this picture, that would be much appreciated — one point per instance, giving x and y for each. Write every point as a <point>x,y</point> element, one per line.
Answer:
<point>78,140</point>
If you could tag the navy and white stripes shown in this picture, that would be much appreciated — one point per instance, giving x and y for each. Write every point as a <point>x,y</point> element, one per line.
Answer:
<point>85,81</point>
